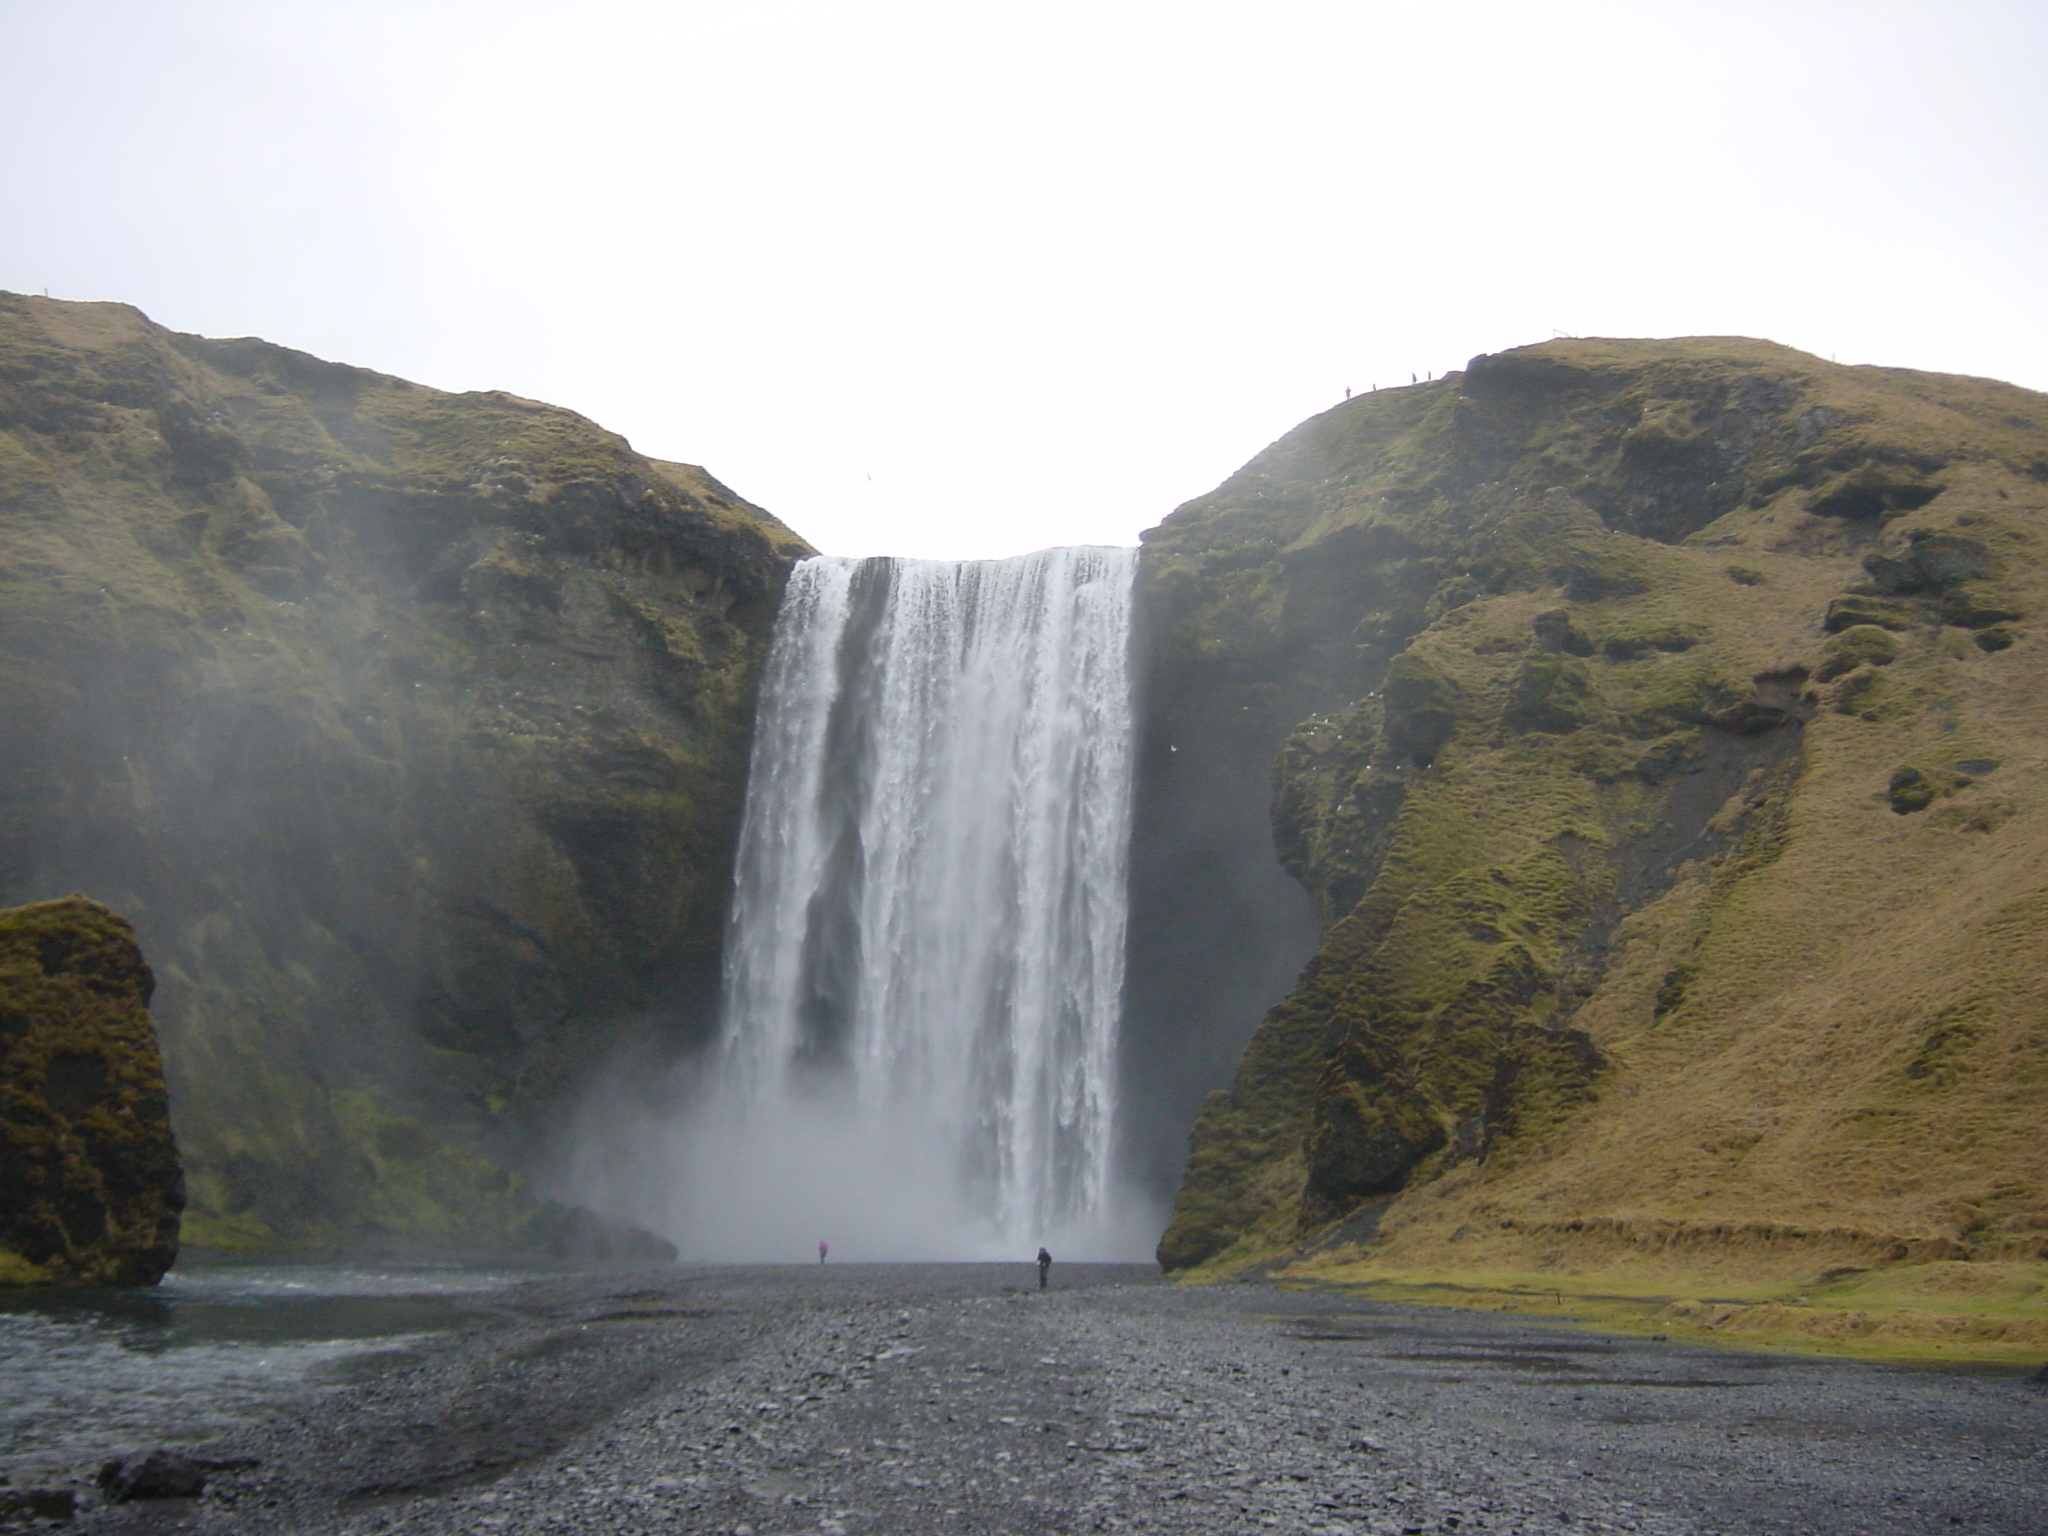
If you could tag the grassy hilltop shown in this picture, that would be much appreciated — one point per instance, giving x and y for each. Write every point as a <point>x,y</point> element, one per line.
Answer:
<point>409,728</point>
<point>1657,728</point>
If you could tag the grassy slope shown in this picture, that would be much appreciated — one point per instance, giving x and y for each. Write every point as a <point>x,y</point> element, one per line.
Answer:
<point>409,727</point>
<point>1625,987</point>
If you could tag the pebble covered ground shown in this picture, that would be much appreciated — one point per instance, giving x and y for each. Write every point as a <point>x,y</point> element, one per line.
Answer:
<point>849,1400</point>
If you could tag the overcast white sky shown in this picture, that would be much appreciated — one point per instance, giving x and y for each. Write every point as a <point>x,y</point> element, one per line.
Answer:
<point>964,278</point>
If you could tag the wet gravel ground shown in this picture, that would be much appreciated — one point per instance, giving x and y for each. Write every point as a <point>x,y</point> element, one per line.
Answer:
<point>956,1398</point>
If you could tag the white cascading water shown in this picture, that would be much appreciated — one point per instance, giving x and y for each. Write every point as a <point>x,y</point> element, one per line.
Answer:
<point>925,966</point>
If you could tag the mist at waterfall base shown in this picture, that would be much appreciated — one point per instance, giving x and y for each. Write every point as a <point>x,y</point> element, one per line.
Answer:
<point>924,970</point>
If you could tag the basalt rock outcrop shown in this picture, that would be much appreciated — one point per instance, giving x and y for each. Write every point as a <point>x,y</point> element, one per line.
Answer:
<point>409,728</point>
<point>90,1186</point>
<point>1655,731</point>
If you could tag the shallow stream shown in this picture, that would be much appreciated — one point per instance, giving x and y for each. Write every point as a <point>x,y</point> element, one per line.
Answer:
<point>86,1374</point>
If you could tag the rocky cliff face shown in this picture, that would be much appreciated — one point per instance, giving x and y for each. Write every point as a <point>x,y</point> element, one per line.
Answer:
<point>1655,730</point>
<point>409,727</point>
<point>90,1187</point>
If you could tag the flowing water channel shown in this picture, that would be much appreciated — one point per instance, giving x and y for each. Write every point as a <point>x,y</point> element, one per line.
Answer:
<point>925,965</point>
<point>86,1374</point>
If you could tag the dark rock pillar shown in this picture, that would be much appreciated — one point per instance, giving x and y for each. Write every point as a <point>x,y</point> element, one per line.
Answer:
<point>90,1185</point>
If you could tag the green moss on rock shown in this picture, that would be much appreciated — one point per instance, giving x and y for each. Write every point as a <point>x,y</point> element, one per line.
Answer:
<point>90,1185</point>
<point>1914,788</point>
<point>1553,694</point>
<point>1552,627</point>
<point>410,726</point>
<point>1868,695</point>
<point>1854,612</point>
<point>1861,645</point>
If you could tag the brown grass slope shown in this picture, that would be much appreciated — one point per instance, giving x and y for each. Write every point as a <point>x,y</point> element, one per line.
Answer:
<point>409,727</point>
<point>1677,816</point>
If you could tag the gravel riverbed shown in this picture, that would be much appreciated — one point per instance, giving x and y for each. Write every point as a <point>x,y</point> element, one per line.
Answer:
<point>853,1399</point>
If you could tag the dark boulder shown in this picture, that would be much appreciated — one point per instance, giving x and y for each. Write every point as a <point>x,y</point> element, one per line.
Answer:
<point>1944,559</point>
<point>90,1184</point>
<point>1422,704</point>
<point>571,1234</point>
<point>54,1504</point>
<point>1556,632</point>
<point>158,1475</point>
<point>1913,789</point>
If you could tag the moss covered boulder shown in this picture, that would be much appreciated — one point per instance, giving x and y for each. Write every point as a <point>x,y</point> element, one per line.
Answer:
<point>410,728</point>
<point>90,1187</point>
<point>1624,712</point>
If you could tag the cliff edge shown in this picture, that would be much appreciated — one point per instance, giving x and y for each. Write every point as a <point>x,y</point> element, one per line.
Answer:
<point>1654,728</point>
<point>409,728</point>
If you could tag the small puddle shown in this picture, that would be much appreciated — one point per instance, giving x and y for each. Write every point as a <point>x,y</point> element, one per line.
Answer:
<point>1516,1362</point>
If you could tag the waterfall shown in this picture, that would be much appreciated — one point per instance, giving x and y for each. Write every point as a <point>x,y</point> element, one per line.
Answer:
<point>925,966</point>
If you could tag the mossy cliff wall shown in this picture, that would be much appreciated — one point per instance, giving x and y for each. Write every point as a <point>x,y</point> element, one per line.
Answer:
<point>409,728</point>
<point>90,1187</point>
<point>1655,730</point>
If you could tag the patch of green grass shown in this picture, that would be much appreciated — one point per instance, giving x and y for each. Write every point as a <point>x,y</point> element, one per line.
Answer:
<point>1891,1315</point>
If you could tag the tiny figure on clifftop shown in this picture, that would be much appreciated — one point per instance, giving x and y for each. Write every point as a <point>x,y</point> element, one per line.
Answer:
<point>822,1250</point>
<point>1044,1263</point>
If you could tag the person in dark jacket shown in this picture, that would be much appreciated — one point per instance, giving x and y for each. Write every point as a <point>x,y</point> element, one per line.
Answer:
<point>1044,1263</point>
